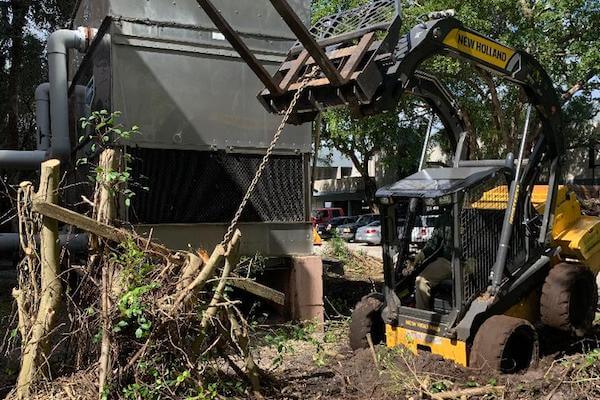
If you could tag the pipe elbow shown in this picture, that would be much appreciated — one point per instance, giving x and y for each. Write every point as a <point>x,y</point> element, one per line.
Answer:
<point>42,92</point>
<point>62,40</point>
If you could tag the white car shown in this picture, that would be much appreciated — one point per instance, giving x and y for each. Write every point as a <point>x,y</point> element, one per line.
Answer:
<point>370,234</point>
<point>423,229</point>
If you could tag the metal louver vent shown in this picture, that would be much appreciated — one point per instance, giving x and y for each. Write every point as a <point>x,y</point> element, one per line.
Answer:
<point>207,187</point>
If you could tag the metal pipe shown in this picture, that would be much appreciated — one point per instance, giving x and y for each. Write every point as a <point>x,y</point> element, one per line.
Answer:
<point>509,216</point>
<point>78,243</point>
<point>59,44</point>
<point>22,160</point>
<point>42,116</point>
<point>426,144</point>
<point>399,8</point>
<point>491,163</point>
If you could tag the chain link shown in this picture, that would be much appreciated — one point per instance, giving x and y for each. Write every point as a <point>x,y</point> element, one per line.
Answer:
<point>234,222</point>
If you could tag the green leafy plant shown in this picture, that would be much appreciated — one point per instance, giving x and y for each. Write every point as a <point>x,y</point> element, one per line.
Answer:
<point>107,132</point>
<point>134,274</point>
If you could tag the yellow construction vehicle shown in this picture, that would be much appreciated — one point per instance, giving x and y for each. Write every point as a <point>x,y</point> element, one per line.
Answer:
<point>518,251</point>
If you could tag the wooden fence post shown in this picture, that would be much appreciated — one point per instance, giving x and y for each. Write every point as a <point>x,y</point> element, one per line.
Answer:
<point>106,212</point>
<point>36,348</point>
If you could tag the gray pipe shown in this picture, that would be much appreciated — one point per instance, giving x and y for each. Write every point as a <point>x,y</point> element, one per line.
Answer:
<point>77,243</point>
<point>59,44</point>
<point>42,116</point>
<point>22,160</point>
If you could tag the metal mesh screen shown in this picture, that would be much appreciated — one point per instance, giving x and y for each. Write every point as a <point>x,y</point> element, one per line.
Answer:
<point>207,187</point>
<point>375,13</point>
<point>481,219</point>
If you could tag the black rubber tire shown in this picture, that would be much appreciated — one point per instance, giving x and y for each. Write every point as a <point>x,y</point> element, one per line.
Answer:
<point>366,318</point>
<point>569,299</point>
<point>505,344</point>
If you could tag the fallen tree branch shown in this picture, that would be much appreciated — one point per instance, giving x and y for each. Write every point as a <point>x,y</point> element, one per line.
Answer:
<point>100,229</point>
<point>469,392</point>
<point>257,289</point>
<point>231,260</point>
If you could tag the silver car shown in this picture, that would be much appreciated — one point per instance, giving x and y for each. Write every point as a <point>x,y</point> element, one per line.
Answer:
<point>370,234</point>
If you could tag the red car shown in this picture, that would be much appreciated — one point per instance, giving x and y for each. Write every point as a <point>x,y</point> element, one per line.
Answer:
<point>322,215</point>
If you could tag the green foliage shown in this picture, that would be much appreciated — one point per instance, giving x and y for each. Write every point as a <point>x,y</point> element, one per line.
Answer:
<point>282,340</point>
<point>131,306</point>
<point>107,132</point>
<point>23,66</point>
<point>337,248</point>
<point>135,272</point>
<point>166,382</point>
<point>561,34</point>
<point>134,263</point>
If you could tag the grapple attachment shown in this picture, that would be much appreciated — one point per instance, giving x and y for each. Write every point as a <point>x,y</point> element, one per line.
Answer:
<point>357,46</point>
<point>346,55</point>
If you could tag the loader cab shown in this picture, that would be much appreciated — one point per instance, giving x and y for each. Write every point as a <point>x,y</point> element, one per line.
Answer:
<point>473,200</point>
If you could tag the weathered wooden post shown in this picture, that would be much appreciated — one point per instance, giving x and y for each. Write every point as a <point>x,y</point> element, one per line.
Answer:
<point>36,345</point>
<point>105,211</point>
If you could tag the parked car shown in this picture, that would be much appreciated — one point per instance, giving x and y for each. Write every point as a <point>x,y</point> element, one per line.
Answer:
<point>370,234</point>
<point>322,215</point>
<point>327,229</point>
<point>423,229</point>
<point>347,231</point>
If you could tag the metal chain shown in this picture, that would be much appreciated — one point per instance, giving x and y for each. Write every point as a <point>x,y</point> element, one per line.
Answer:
<point>267,156</point>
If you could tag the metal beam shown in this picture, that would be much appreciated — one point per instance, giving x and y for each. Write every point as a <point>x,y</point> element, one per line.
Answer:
<point>236,42</point>
<point>310,44</point>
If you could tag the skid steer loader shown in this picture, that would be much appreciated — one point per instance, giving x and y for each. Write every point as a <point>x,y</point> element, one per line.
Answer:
<point>520,253</point>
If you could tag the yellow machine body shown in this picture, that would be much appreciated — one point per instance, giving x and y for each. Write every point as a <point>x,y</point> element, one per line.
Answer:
<point>416,339</point>
<point>577,235</point>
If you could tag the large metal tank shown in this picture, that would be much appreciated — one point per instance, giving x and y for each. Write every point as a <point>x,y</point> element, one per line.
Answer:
<point>169,71</point>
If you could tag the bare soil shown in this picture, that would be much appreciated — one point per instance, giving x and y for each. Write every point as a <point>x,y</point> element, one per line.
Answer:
<point>572,373</point>
<point>322,366</point>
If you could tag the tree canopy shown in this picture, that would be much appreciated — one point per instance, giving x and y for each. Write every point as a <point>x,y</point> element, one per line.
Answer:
<point>24,26</point>
<point>561,34</point>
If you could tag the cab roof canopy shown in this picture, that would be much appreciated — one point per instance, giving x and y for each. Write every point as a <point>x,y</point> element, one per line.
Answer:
<point>437,182</point>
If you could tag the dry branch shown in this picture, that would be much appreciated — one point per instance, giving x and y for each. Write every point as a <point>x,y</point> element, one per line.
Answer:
<point>186,295</point>
<point>231,260</point>
<point>257,289</point>
<point>477,391</point>
<point>100,229</point>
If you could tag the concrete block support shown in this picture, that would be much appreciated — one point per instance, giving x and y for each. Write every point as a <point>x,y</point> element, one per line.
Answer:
<point>305,292</point>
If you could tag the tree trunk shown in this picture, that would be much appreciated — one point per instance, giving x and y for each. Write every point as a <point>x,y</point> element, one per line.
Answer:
<point>369,182</point>
<point>497,112</point>
<point>370,191</point>
<point>317,140</point>
<point>20,9</point>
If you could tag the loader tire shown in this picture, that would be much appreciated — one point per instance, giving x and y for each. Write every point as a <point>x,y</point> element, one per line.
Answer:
<point>569,299</point>
<point>505,344</point>
<point>366,318</point>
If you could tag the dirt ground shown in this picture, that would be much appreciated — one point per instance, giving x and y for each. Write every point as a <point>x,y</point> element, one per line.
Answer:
<point>571,373</point>
<point>326,368</point>
<point>304,362</point>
